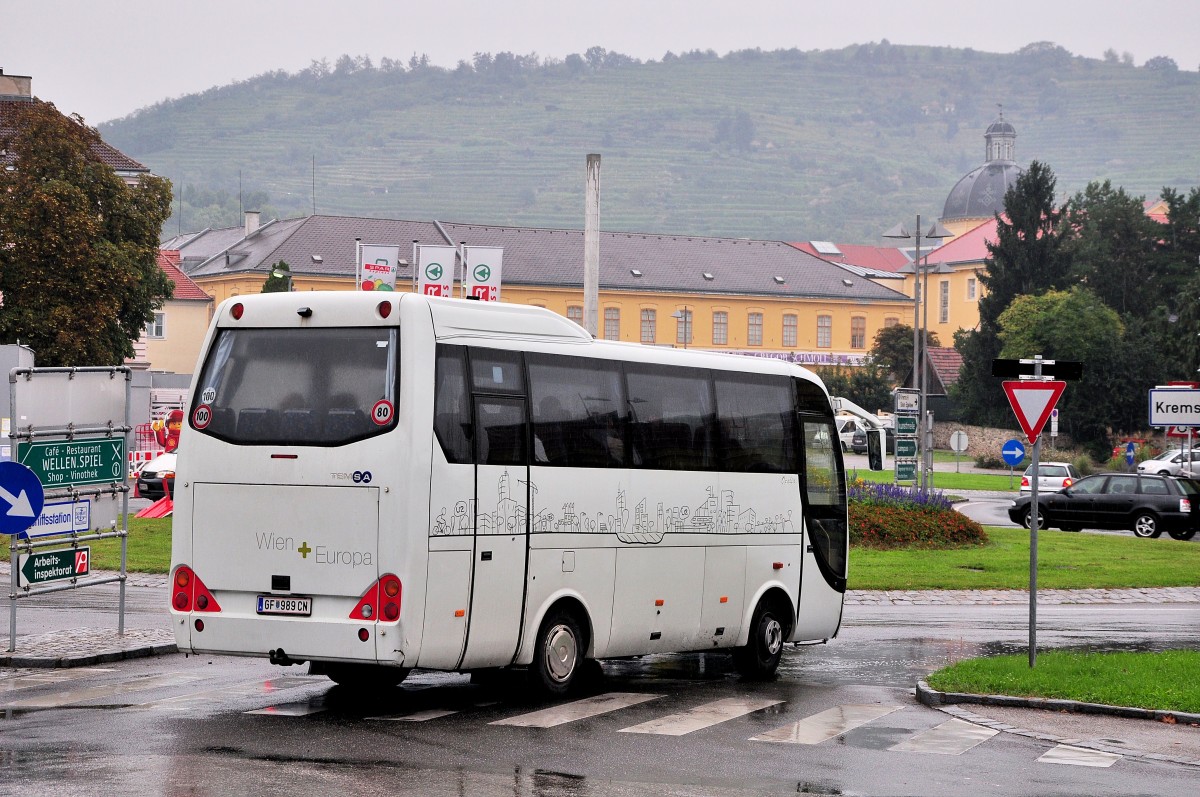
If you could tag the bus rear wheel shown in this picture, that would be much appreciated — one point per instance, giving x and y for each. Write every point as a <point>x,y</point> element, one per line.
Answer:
<point>558,655</point>
<point>365,677</point>
<point>759,657</point>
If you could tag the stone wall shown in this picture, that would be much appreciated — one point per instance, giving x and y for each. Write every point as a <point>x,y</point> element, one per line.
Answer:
<point>984,441</point>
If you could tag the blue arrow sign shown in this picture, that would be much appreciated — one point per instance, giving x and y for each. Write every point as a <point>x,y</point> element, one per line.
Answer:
<point>21,497</point>
<point>1013,452</point>
<point>1130,450</point>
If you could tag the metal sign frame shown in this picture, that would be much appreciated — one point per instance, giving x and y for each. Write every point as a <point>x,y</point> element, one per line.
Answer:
<point>79,427</point>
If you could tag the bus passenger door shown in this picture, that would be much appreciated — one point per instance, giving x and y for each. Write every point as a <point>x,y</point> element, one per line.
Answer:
<point>501,532</point>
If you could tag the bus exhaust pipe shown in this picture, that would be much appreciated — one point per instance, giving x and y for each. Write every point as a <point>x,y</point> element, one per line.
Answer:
<point>278,656</point>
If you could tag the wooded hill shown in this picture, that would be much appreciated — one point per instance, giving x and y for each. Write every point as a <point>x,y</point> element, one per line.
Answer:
<point>829,145</point>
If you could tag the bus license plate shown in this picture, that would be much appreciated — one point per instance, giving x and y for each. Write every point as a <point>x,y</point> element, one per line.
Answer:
<point>274,604</point>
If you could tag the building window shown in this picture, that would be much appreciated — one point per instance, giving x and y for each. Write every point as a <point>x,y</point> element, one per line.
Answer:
<point>971,295</point>
<point>157,329</point>
<point>754,329</point>
<point>612,323</point>
<point>683,326</point>
<point>824,331</point>
<point>891,322</point>
<point>858,332</point>
<point>575,313</point>
<point>789,331</point>
<point>944,302</point>
<point>649,325</point>
<point>720,328</point>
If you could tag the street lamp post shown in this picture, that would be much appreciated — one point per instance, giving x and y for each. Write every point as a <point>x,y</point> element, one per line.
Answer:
<point>921,342</point>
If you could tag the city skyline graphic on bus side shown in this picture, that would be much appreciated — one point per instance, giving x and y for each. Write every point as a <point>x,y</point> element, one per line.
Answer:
<point>718,513</point>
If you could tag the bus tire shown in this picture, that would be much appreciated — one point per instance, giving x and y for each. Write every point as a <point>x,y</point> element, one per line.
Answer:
<point>759,657</point>
<point>558,656</point>
<point>365,677</point>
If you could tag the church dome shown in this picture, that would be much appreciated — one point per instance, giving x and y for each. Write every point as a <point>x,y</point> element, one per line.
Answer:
<point>980,193</point>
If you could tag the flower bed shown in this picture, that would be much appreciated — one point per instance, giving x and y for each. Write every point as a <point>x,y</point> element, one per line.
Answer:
<point>889,516</point>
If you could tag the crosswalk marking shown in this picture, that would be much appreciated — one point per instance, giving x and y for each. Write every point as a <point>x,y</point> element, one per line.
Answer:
<point>826,724</point>
<point>702,717</point>
<point>251,689</point>
<point>299,709</point>
<point>1079,756</point>
<point>417,716</point>
<point>56,699</point>
<point>953,737</point>
<point>33,679</point>
<point>580,709</point>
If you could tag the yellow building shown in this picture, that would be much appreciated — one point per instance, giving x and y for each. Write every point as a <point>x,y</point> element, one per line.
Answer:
<point>765,298</point>
<point>171,342</point>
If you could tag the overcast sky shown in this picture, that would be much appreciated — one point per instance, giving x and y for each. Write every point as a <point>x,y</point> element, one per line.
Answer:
<point>104,60</point>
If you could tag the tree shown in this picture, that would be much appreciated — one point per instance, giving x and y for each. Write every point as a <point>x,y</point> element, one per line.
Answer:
<point>79,273</point>
<point>1076,325</point>
<point>892,349</point>
<point>1026,259</point>
<point>281,283</point>
<point>867,386</point>
<point>1111,243</point>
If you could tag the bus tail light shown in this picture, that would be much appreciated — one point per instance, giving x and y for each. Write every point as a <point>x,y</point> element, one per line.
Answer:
<point>188,593</point>
<point>380,602</point>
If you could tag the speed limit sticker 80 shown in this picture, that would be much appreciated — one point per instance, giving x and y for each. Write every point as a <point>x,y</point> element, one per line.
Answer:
<point>382,412</point>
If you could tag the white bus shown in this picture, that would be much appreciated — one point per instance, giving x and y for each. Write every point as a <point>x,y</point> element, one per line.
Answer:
<point>371,483</point>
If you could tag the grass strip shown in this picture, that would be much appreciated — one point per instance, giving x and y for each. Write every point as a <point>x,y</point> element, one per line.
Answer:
<point>148,548</point>
<point>1066,560</point>
<point>944,480</point>
<point>1164,681</point>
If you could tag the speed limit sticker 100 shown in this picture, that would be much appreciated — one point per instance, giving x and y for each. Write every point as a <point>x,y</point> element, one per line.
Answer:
<point>381,413</point>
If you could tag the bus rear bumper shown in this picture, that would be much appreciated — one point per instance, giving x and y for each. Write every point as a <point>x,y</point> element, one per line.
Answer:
<point>290,640</point>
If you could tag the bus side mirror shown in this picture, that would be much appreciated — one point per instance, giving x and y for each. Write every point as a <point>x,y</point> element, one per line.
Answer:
<point>875,449</point>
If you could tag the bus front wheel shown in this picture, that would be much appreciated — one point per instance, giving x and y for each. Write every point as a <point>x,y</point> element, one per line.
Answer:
<point>558,656</point>
<point>759,657</point>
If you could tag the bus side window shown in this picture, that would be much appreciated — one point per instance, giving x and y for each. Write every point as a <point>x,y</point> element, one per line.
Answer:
<point>756,422</point>
<point>671,415</point>
<point>578,411</point>
<point>451,401</point>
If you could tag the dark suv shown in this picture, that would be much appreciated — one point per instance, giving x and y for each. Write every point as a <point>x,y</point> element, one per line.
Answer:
<point>1145,505</point>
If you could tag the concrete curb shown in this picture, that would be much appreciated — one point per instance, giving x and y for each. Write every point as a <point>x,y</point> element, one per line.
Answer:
<point>85,647</point>
<point>949,702</point>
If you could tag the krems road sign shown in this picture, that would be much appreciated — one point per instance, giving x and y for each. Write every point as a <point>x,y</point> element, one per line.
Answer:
<point>1032,402</point>
<point>21,497</point>
<point>1013,453</point>
<point>906,425</point>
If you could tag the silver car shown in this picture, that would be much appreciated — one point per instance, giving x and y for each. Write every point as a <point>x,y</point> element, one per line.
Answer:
<point>1170,463</point>
<point>1052,477</point>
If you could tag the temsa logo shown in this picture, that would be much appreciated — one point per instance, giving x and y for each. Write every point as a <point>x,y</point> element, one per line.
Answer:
<point>341,477</point>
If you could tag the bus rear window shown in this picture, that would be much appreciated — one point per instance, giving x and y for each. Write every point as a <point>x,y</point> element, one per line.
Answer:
<point>323,386</point>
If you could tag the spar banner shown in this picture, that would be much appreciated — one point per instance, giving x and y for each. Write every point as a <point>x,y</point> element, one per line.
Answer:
<point>435,270</point>
<point>377,267</point>
<point>481,278</point>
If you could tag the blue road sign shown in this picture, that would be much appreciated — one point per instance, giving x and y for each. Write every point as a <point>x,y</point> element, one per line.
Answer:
<point>21,497</point>
<point>1130,450</point>
<point>1013,452</point>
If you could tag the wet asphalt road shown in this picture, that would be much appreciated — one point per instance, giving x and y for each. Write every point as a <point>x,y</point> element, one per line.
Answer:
<point>175,725</point>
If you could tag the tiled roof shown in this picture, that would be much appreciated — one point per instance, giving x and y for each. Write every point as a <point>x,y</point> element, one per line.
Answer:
<point>185,288</point>
<point>102,151</point>
<point>970,247</point>
<point>534,256</point>
<point>946,363</point>
<point>880,258</point>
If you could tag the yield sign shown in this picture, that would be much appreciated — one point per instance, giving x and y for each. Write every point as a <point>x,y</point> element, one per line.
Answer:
<point>1032,403</point>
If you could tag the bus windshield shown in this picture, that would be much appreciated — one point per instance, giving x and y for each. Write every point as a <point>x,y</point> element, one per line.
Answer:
<point>316,386</point>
